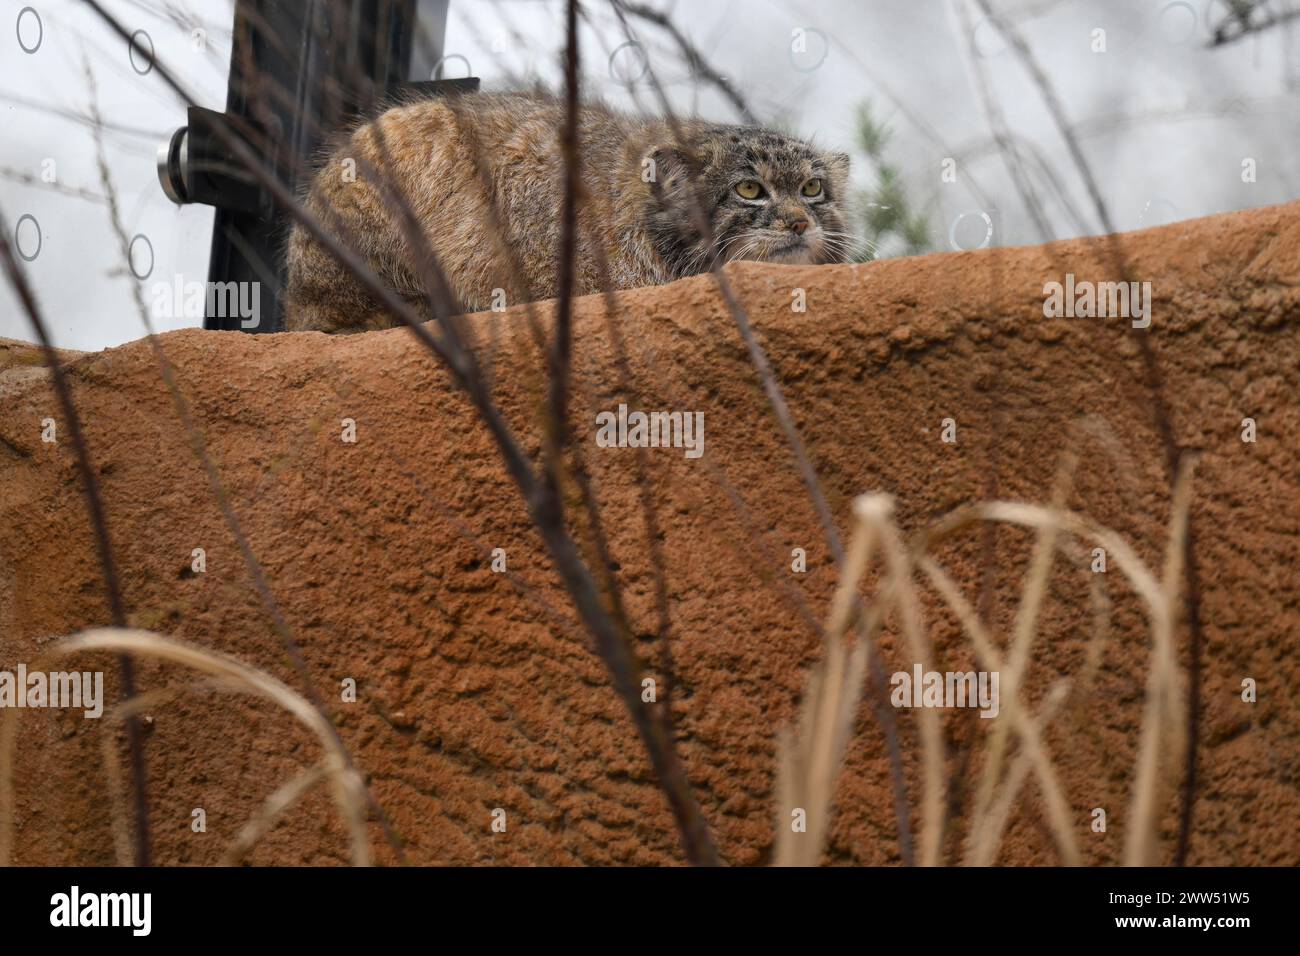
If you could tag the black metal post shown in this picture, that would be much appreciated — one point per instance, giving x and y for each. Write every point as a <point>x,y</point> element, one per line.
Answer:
<point>292,80</point>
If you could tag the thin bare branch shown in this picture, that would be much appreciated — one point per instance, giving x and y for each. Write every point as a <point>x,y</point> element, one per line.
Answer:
<point>99,524</point>
<point>344,778</point>
<point>691,54</point>
<point>610,642</point>
<point>1237,26</point>
<point>561,353</point>
<point>1001,132</point>
<point>1161,414</point>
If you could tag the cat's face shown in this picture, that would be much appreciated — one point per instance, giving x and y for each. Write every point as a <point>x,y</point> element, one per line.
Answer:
<point>767,197</point>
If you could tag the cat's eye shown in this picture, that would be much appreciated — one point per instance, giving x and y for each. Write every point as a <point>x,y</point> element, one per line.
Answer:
<point>749,189</point>
<point>812,188</point>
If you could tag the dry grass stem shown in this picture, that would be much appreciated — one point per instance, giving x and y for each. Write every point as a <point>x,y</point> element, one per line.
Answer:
<point>809,760</point>
<point>808,764</point>
<point>1161,729</point>
<point>1031,602</point>
<point>899,566</point>
<point>346,782</point>
<point>983,844</point>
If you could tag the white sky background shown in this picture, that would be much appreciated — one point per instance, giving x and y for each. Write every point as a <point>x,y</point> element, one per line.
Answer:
<point>1164,121</point>
<point>85,299</point>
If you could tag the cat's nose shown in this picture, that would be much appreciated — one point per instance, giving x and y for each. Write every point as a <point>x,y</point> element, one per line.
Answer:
<point>798,226</point>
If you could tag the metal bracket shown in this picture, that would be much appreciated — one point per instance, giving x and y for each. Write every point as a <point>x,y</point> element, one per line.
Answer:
<point>330,63</point>
<point>195,166</point>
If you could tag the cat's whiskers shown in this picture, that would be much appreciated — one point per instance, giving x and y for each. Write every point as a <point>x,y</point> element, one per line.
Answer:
<point>741,237</point>
<point>848,244</point>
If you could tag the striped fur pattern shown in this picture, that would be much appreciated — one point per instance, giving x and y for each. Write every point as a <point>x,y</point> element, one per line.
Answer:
<point>483,174</point>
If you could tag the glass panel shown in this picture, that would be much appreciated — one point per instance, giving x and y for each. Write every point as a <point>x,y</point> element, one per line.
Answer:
<point>61,64</point>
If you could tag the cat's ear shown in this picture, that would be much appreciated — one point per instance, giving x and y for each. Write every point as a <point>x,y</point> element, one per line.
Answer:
<point>664,168</point>
<point>837,165</point>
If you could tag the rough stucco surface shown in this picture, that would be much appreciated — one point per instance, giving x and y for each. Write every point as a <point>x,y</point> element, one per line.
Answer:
<point>479,691</point>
